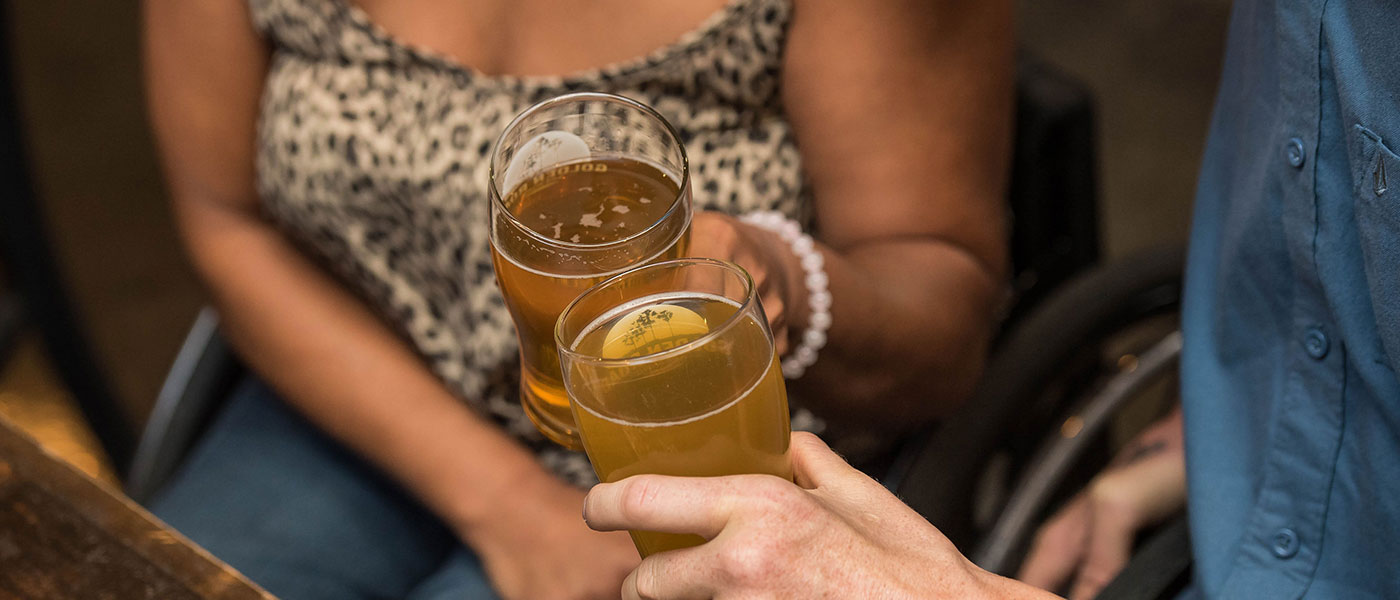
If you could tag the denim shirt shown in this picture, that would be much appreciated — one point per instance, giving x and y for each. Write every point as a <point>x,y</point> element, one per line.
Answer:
<point>1292,308</point>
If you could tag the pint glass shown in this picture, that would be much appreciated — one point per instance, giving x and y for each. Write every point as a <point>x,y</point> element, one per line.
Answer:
<point>671,369</point>
<point>583,186</point>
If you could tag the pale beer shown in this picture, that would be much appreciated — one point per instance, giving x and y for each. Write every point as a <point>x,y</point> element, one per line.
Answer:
<point>679,383</point>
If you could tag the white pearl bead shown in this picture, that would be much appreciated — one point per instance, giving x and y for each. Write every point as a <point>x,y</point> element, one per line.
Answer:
<point>816,280</point>
<point>804,355</point>
<point>803,245</point>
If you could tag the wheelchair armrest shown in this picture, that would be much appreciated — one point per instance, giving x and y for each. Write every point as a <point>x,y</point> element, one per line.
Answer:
<point>204,371</point>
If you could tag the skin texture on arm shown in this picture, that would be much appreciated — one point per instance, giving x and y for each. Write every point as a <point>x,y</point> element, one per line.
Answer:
<point>836,534</point>
<point>323,350</point>
<point>902,110</point>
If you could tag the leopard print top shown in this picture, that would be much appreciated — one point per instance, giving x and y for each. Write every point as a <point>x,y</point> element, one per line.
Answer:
<point>372,156</point>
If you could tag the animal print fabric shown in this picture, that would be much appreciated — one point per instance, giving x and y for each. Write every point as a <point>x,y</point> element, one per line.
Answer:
<point>372,156</point>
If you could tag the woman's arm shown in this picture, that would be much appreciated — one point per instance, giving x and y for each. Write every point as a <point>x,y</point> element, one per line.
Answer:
<point>902,110</point>
<point>324,351</point>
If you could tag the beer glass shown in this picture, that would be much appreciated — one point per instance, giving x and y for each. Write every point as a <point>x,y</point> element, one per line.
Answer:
<point>583,186</point>
<point>671,370</point>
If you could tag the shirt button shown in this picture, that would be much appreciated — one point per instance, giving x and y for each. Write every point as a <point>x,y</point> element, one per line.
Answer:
<point>1285,543</point>
<point>1295,153</point>
<point>1315,343</point>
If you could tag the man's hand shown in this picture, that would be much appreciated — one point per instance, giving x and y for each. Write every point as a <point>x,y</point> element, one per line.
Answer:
<point>840,534</point>
<point>1091,538</point>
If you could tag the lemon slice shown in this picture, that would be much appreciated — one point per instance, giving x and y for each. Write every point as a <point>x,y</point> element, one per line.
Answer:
<point>548,149</point>
<point>652,329</point>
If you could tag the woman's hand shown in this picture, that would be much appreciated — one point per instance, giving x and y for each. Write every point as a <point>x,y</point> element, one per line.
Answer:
<point>776,272</point>
<point>1091,538</point>
<point>838,535</point>
<point>539,548</point>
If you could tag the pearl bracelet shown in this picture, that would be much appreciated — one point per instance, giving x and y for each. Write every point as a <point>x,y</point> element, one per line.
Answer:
<point>818,297</point>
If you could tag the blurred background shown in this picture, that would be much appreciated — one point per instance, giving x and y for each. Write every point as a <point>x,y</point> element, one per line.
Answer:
<point>1151,65</point>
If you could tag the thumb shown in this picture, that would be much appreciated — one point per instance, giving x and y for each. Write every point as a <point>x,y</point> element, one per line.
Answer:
<point>1124,500</point>
<point>1058,547</point>
<point>1108,549</point>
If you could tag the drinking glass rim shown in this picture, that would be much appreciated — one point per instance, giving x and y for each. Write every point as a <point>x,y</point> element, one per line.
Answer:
<point>750,299</point>
<point>498,199</point>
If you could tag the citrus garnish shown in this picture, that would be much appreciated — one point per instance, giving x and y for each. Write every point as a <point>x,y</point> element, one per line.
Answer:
<point>652,329</point>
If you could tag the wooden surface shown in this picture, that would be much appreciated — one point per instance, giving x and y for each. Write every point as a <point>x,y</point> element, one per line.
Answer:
<point>65,536</point>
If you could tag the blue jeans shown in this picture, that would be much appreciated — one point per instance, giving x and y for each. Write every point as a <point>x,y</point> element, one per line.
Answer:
<point>273,496</point>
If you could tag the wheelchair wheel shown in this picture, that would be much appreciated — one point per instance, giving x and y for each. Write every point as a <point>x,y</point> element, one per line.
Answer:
<point>1090,337</point>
